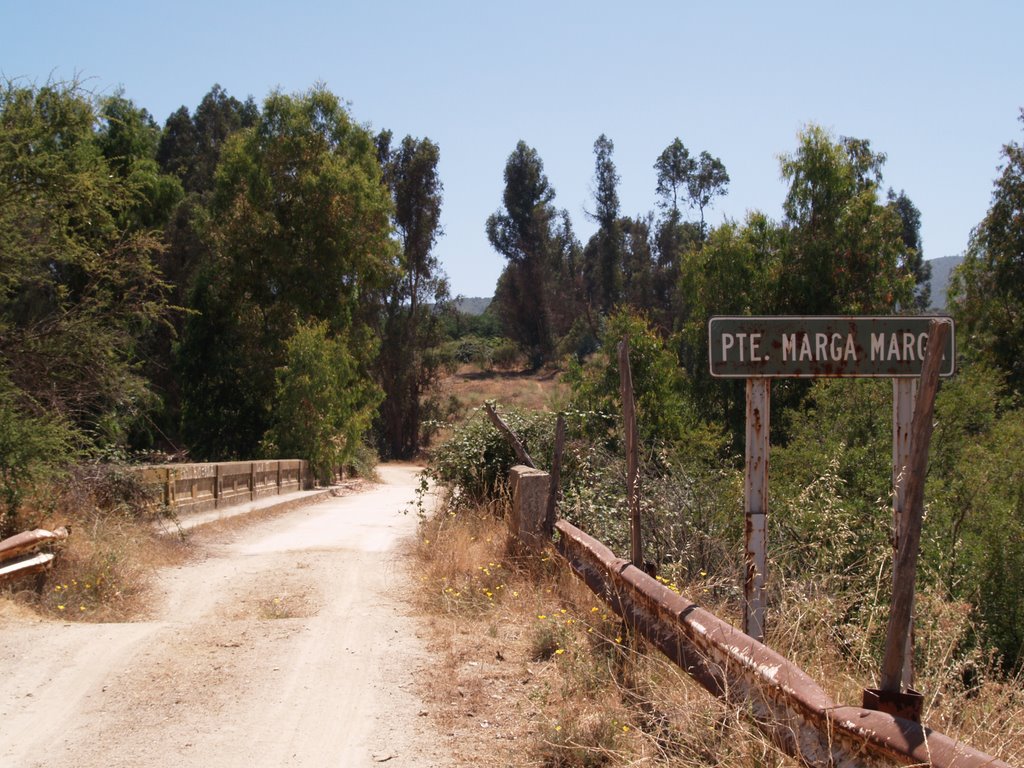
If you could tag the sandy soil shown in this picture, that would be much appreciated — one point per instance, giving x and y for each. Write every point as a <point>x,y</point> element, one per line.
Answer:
<point>288,643</point>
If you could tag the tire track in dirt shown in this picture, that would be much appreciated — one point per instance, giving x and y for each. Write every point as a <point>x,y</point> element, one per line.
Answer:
<point>289,644</point>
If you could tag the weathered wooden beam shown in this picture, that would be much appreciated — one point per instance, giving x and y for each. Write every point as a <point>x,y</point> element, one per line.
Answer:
<point>517,447</point>
<point>632,454</point>
<point>905,569</point>
<point>25,565</point>
<point>30,541</point>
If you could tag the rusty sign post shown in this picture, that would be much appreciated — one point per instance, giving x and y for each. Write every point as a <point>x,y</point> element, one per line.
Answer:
<point>762,348</point>
<point>904,398</point>
<point>755,506</point>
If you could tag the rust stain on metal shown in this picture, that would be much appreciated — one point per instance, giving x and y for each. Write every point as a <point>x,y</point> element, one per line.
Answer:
<point>19,554</point>
<point>784,702</point>
<point>30,541</point>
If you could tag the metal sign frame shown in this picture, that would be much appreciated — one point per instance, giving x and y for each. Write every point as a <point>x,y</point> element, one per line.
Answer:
<point>826,346</point>
<point>831,346</point>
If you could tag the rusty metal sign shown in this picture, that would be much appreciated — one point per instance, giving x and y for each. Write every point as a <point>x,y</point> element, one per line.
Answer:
<point>824,346</point>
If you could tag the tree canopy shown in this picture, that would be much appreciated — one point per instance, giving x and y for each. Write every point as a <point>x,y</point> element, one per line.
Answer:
<point>987,292</point>
<point>78,284</point>
<point>299,232</point>
<point>525,234</point>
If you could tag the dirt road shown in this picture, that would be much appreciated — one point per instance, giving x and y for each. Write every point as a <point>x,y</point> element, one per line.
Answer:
<point>288,644</point>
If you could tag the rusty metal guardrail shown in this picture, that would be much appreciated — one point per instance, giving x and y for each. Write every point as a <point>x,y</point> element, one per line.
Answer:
<point>20,555</point>
<point>783,701</point>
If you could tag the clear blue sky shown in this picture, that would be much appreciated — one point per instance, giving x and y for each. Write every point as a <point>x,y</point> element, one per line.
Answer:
<point>937,86</point>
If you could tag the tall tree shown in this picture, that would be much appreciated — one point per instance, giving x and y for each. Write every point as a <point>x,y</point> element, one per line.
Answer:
<point>190,147</point>
<point>674,167</point>
<point>673,236</point>
<point>567,278</point>
<point>987,290</point>
<point>525,234</point>
<point>411,323</point>
<point>603,254</point>
<point>912,258</point>
<point>638,267</point>
<point>707,180</point>
<point>299,232</point>
<point>77,283</point>
<point>188,151</point>
<point>844,244</point>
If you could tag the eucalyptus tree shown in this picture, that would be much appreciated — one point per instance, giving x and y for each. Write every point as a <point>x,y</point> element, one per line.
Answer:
<point>190,145</point>
<point>674,167</point>
<point>410,323</point>
<point>526,234</point>
<point>189,149</point>
<point>987,291</point>
<point>299,232</point>
<point>707,180</point>
<point>673,236</point>
<point>603,253</point>
<point>913,250</point>
<point>844,243</point>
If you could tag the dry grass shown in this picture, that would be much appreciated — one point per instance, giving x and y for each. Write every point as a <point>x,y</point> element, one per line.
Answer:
<point>102,573</point>
<point>536,671</point>
<point>470,388</point>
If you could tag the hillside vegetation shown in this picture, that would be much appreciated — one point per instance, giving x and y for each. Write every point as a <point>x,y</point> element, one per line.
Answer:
<point>532,658</point>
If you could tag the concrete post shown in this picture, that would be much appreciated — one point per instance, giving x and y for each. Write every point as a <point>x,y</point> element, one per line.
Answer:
<point>529,505</point>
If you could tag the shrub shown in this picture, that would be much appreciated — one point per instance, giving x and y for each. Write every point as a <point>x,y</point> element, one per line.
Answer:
<point>474,463</point>
<point>323,404</point>
<point>34,449</point>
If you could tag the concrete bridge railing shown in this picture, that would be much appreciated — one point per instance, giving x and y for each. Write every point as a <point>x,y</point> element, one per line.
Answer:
<point>188,488</point>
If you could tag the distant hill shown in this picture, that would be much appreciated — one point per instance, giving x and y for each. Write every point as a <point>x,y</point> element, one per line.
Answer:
<point>941,269</point>
<point>472,306</point>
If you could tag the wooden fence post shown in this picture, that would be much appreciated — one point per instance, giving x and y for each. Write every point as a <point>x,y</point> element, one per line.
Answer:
<point>905,571</point>
<point>632,454</point>
<point>556,477</point>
